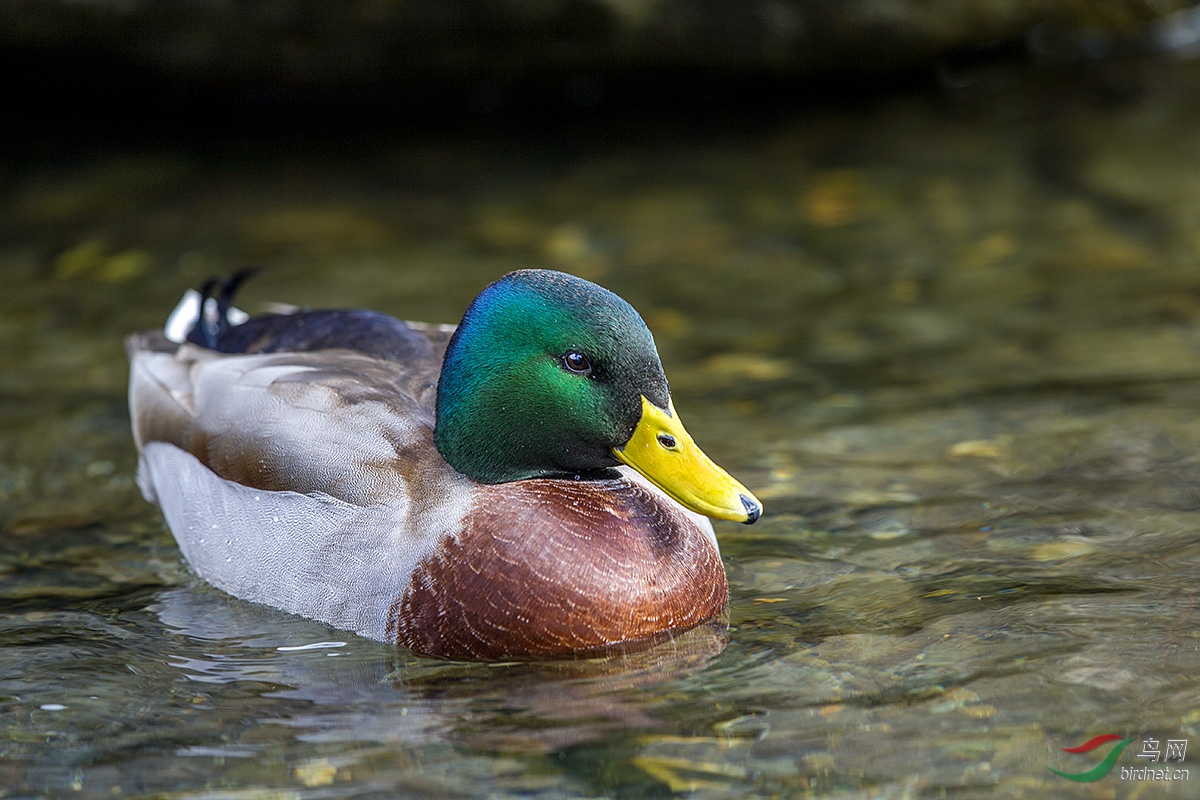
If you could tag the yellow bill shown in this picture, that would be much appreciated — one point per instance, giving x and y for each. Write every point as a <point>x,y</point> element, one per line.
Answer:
<point>663,451</point>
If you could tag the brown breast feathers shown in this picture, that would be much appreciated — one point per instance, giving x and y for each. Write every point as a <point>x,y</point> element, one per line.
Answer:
<point>552,567</point>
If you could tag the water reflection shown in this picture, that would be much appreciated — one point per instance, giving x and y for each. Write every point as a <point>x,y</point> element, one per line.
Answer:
<point>359,691</point>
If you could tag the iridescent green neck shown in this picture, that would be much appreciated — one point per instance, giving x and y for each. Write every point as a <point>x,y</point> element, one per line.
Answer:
<point>510,404</point>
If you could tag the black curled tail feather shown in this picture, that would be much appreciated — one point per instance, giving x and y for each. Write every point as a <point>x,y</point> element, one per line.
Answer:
<point>209,327</point>
<point>204,331</point>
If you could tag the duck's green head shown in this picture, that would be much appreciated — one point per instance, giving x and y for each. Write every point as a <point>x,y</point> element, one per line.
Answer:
<point>552,375</point>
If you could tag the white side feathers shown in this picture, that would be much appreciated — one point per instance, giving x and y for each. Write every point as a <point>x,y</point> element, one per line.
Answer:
<point>182,318</point>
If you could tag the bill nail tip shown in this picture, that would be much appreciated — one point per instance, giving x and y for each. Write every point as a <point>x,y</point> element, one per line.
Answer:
<point>753,509</point>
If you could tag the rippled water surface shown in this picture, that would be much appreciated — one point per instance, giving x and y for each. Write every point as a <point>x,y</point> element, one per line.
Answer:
<point>952,342</point>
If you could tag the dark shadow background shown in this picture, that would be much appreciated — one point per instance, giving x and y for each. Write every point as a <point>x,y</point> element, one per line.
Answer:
<point>120,72</point>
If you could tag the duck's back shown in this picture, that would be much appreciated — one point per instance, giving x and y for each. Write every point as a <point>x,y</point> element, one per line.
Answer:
<point>287,401</point>
<point>362,331</point>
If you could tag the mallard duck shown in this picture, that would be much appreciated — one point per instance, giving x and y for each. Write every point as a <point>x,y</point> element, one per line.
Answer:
<point>518,486</point>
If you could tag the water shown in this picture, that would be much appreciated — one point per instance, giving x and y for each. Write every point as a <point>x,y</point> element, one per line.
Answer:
<point>952,342</point>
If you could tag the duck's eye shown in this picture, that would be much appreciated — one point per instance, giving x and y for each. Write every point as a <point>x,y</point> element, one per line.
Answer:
<point>577,363</point>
